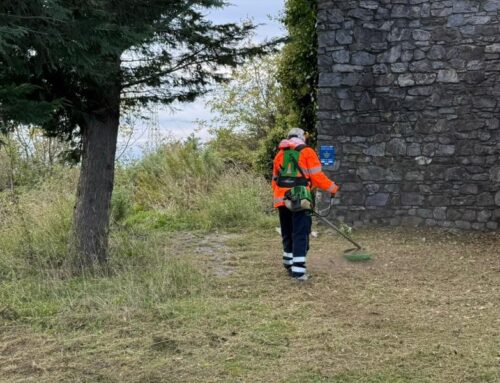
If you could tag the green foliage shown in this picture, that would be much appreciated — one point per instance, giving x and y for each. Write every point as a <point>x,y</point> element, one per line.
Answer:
<point>182,186</point>
<point>186,186</point>
<point>250,103</point>
<point>150,51</point>
<point>268,150</point>
<point>173,177</point>
<point>298,72</point>
<point>239,200</point>
<point>247,109</point>
<point>233,146</point>
<point>268,97</point>
<point>27,157</point>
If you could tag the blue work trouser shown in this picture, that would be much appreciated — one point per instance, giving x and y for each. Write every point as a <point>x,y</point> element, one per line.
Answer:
<point>295,230</point>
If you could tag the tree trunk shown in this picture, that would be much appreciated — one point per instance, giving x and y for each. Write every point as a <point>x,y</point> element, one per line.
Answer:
<point>95,187</point>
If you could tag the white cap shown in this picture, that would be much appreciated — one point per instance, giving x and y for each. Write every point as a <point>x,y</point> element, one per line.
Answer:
<point>297,132</point>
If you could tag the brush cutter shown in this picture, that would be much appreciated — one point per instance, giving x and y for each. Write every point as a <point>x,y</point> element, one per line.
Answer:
<point>355,254</point>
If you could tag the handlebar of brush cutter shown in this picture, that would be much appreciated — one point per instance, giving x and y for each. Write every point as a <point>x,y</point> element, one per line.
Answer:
<point>322,218</point>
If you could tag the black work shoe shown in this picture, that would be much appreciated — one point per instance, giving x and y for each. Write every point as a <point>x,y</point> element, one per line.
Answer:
<point>302,278</point>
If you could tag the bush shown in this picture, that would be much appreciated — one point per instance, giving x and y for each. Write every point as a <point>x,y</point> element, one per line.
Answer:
<point>184,186</point>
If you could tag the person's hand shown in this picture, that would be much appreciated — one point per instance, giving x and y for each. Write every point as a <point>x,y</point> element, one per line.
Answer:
<point>335,190</point>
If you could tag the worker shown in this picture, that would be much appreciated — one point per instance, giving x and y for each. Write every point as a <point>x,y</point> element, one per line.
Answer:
<point>296,170</point>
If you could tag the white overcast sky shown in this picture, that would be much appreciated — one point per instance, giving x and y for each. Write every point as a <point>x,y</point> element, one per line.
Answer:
<point>182,122</point>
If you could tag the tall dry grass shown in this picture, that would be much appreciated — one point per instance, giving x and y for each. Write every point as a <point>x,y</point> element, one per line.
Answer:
<point>180,187</point>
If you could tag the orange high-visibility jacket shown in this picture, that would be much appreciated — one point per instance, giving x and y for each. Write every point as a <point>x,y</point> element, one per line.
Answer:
<point>310,165</point>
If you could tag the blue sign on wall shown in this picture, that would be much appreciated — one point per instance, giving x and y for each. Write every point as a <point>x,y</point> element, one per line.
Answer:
<point>327,155</point>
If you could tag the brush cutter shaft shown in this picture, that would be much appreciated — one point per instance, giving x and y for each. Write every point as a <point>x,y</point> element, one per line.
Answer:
<point>358,246</point>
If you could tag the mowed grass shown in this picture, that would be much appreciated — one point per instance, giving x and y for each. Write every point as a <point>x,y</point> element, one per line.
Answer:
<point>220,308</point>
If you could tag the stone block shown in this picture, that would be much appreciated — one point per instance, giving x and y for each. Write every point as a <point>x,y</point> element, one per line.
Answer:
<point>385,80</point>
<point>378,199</point>
<point>421,66</point>
<point>492,225</point>
<point>484,102</point>
<point>425,78</point>
<point>399,67</point>
<point>439,213</point>
<point>495,173</point>
<point>464,225</point>
<point>465,6</point>
<point>441,12</point>
<point>447,76</point>
<point>380,69</point>
<point>325,38</point>
<point>478,226</point>
<point>469,215</point>
<point>411,221</point>
<point>406,80</point>
<point>485,199</point>
<point>456,173</point>
<point>478,20</point>
<point>453,214</point>
<point>361,14</point>
<point>344,37</point>
<point>446,150</point>
<point>491,6</point>
<point>372,188</point>
<point>456,20</point>
<point>346,104</point>
<point>424,213</point>
<point>330,79</point>
<point>497,198</point>
<point>419,34</point>
<point>396,146</point>
<point>411,199</point>
<point>430,222</point>
<point>341,56</point>
<point>351,186</point>
<point>430,149</point>
<point>414,150</point>
<point>371,173</point>
<point>421,91</point>
<point>352,198</point>
<point>369,4</point>
<point>390,56</point>
<point>377,150</point>
<point>445,34</point>
<point>414,175</point>
<point>439,200</point>
<point>437,52</point>
<point>484,216</point>
<point>469,189</point>
<point>363,58</point>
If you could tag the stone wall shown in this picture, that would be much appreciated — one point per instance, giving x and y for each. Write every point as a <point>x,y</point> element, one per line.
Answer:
<point>409,95</point>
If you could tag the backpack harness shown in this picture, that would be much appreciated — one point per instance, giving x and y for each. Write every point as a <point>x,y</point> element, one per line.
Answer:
<point>288,176</point>
<point>292,177</point>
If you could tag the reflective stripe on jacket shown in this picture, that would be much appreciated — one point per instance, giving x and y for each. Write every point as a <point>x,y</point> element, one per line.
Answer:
<point>310,165</point>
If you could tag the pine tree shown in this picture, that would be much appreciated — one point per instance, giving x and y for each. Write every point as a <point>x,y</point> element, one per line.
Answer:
<point>78,64</point>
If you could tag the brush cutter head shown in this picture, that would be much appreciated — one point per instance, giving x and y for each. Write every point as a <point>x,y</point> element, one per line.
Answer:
<point>357,255</point>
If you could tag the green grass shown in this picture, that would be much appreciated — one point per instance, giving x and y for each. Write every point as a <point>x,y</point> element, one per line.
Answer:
<point>170,315</point>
